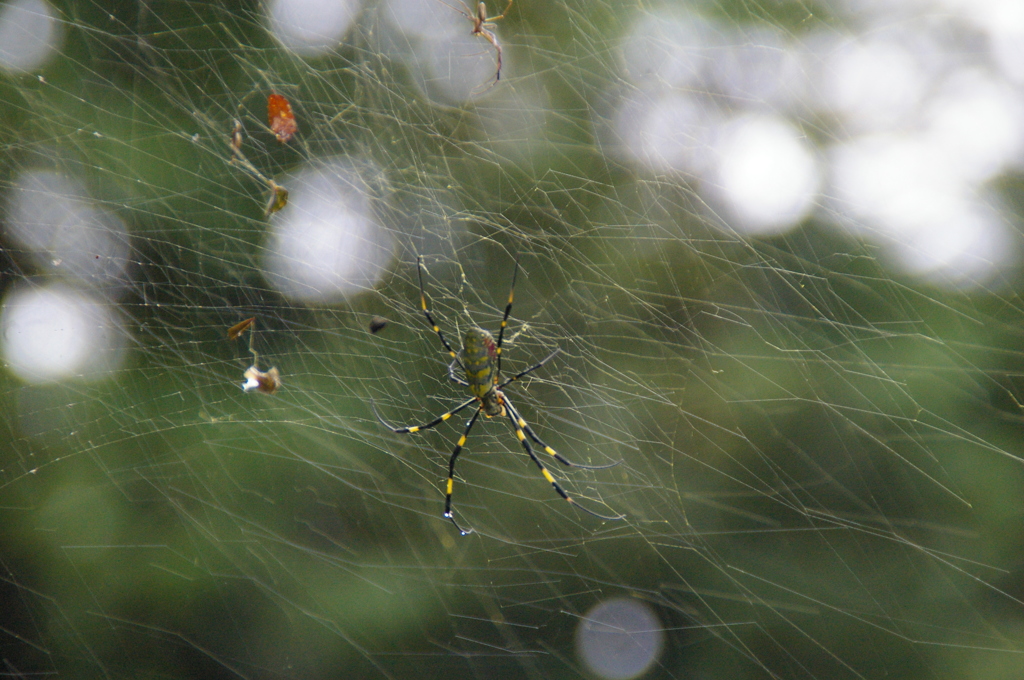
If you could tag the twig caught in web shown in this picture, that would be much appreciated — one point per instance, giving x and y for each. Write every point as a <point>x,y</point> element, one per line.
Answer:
<point>278,194</point>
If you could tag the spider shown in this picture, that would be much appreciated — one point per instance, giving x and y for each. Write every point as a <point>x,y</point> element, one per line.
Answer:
<point>481,25</point>
<point>480,360</point>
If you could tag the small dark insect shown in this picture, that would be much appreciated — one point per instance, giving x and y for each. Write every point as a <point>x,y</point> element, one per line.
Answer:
<point>264,382</point>
<point>480,361</point>
<point>282,120</point>
<point>481,25</point>
<point>377,323</point>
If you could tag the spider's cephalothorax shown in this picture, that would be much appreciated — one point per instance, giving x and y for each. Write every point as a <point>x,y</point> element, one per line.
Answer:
<point>478,357</point>
<point>480,360</point>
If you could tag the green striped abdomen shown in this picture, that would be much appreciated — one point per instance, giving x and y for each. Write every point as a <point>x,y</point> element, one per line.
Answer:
<point>478,358</point>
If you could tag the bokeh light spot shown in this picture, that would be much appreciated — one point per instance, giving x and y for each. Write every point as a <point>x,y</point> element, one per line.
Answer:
<point>327,244</point>
<point>312,28</point>
<point>767,174</point>
<point>65,233</point>
<point>619,639</point>
<point>29,35</point>
<point>54,332</point>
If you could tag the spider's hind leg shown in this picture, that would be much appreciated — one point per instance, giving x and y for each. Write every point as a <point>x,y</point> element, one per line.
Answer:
<point>547,449</point>
<point>451,473</point>
<point>544,471</point>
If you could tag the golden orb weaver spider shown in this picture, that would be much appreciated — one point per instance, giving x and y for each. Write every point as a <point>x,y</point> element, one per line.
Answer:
<point>480,360</point>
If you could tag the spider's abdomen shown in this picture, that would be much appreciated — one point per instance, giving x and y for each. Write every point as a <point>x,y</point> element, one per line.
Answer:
<point>478,358</point>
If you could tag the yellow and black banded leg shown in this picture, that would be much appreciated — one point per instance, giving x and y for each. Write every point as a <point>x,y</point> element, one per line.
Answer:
<point>508,310</point>
<point>426,312</point>
<point>531,369</point>
<point>419,428</point>
<point>547,449</point>
<point>451,474</point>
<point>547,475</point>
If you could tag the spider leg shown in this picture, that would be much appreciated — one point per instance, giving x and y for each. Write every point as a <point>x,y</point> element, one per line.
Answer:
<point>454,378</point>
<point>426,312</point>
<point>547,449</point>
<point>419,428</point>
<point>544,471</point>
<point>504,319</point>
<point>460,11</point>
<point>480,27</point>
<point>531,369</point>
<point>500,16</point>
<point>491,38</point>
<point>451,474</point>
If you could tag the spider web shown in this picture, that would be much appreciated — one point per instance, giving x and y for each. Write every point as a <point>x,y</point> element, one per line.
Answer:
<point>776,245</point>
